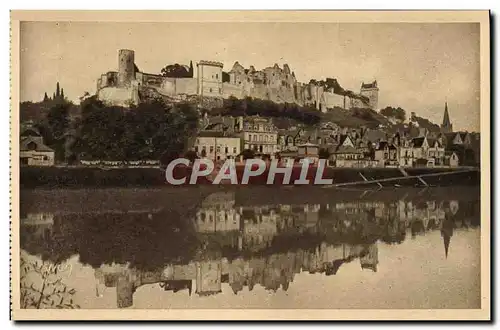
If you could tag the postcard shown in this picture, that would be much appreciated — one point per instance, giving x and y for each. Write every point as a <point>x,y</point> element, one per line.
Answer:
<point>250,165</point>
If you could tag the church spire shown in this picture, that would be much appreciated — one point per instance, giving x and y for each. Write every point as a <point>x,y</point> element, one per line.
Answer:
<point>446,127</point>
<point>447,233</point>
<point>446,239</point>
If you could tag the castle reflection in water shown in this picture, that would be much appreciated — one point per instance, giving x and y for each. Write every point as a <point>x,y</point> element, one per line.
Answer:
<point>241,243</point>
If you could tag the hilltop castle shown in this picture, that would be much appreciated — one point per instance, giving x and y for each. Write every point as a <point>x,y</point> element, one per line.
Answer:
<point>210,85</point>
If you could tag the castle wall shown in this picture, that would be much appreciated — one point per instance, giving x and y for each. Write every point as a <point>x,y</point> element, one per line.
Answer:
<point>332,100</point>
<point>233,90</point>
<point>357,103</point>
<point>175,86</point>
<point>103,81</point>
<point>272,83</point>
<point>119,96</point>
<point>147,79</point>
<point>260,91</point>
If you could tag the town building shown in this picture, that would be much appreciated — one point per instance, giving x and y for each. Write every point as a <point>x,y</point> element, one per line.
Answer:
<point>346,154</point>
<point>413,150</point>
<point>217,145</point>
<point>451,159</point>
<point>386,154</point>
<point>33,151</point>
<point>259,134</point>
<point>435,153</point>
<point>309,152</point>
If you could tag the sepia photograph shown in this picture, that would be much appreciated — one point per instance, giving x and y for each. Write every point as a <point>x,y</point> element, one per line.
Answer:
<point>250,165</point>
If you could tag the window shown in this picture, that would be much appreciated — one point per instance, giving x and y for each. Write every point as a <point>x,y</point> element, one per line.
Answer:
<point>234,150</point>
<point>227,150</point>
<point>265,138</point>
<point>196,149</point>
<point>218,149</point>
<point>204,148</point>
<point>210,90</point>
<point>211,149</point>
<point>216,76</point>
<point>255,137</point>
<point>31,145</point>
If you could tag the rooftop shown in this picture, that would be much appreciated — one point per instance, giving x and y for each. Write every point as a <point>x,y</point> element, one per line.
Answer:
<point>29,144</point>
<point>211,63</point>
<point>370,85</point>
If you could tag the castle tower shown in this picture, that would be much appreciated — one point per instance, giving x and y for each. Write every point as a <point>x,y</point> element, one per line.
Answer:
<point>446,127</point>
<point>209,77</point>
<point>126,69</point>
<point>371,92</point>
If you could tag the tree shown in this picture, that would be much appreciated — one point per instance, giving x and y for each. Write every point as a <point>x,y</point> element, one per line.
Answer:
<point>396,113</point>
<point>175,71</point>
<point>191,70</point>
<point>54,128</point>
<point>45,97</point>
<point>57,90</point>
<point>62,94</point>
<point>42,287</point>
<point>152,130</point>
<point>362,113</point>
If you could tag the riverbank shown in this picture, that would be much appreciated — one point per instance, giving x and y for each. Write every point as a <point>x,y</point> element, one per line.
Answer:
<point>184,199</point>
<point>80,177</point>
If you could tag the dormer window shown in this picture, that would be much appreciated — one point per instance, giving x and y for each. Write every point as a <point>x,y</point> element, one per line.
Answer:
<point>31,146</point>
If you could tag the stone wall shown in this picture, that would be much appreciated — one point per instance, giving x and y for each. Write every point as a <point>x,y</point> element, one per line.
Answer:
<point>117,96</point>
<point>233,90</point>
<point>175,86</point>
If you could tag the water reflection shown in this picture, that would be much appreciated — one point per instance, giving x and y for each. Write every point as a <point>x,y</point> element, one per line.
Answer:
<point>237,238</point>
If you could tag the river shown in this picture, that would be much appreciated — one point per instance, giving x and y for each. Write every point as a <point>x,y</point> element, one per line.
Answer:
<point>251,247</point>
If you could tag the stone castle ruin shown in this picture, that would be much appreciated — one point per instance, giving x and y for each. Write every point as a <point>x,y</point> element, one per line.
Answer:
<point>210,85</point>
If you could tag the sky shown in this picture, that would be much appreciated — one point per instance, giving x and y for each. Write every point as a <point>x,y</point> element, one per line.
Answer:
<point>417,66</point>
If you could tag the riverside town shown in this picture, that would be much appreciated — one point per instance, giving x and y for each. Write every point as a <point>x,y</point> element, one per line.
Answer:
<point>137,121</point>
